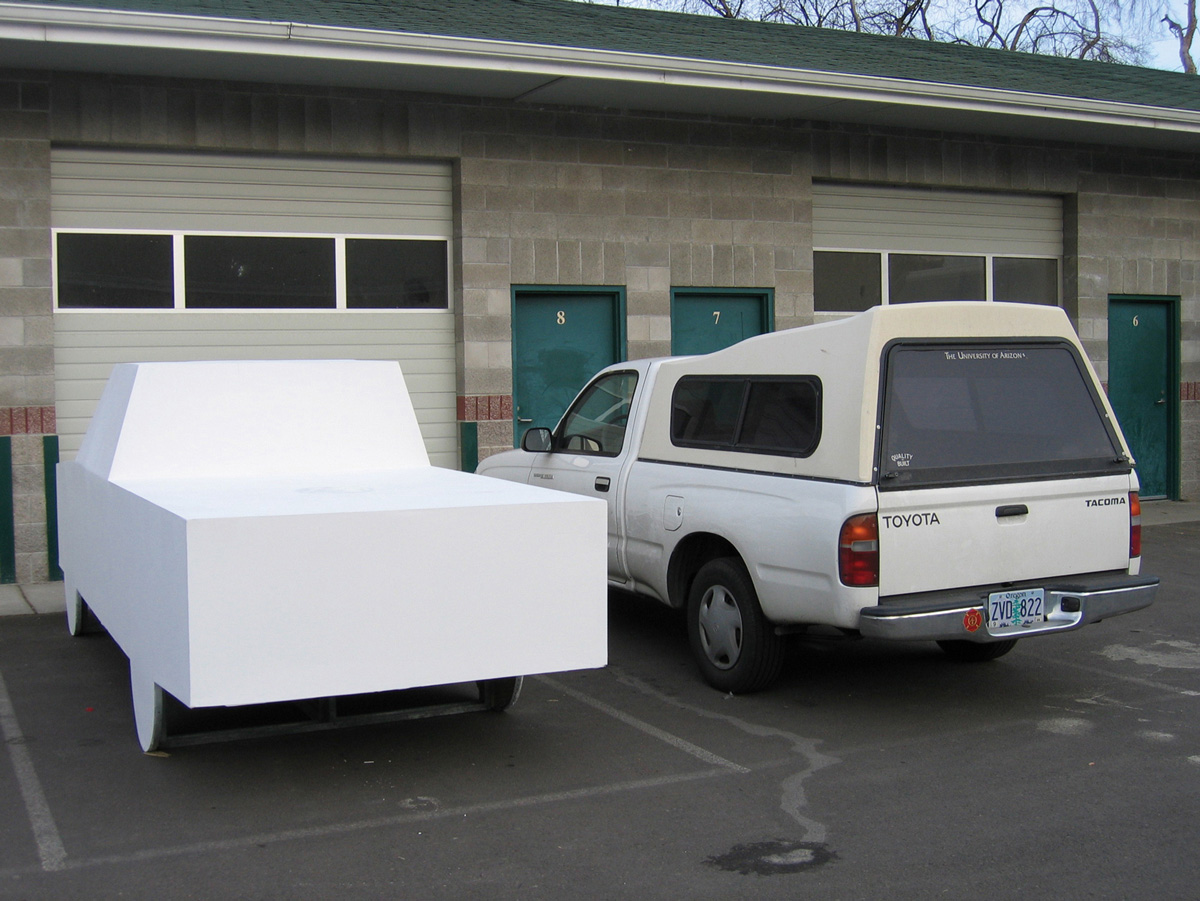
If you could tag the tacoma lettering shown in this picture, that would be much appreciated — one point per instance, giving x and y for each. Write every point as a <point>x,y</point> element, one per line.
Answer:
<point>1105,501</point>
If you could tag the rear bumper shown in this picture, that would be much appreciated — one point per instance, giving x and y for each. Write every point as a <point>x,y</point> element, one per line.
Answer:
<point>958,614</point>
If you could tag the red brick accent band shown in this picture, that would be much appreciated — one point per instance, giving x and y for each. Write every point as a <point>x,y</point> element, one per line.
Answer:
<point>1187,390</point>
<point>27,421</point>
<point>484,407</point>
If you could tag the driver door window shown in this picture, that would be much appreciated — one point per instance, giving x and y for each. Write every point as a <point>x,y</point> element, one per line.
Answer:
<point>596,422</point>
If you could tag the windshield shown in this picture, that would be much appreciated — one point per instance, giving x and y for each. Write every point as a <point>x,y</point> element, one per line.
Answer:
<point>991,412</point>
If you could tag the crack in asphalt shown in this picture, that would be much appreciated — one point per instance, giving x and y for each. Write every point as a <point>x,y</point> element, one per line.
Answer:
<point>793,799</point>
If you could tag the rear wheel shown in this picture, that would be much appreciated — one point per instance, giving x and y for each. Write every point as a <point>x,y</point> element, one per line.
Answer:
<point>734,644</point>
<point>977,652</point>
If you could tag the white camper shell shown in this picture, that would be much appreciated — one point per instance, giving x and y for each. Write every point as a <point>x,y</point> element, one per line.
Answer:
<point>948,471</point>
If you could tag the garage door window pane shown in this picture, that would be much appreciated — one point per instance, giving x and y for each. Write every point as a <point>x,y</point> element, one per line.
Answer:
<point>124,272</point>
<point>224,272</point>
<point>1025,281</point>
<point>918,277</point>
<point>395,275</point>
<point>846,282</point>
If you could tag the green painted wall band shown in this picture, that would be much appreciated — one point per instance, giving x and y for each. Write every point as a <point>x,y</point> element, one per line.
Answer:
<point>469,437</point>
<point>8,528</point>
<point>50,461</point>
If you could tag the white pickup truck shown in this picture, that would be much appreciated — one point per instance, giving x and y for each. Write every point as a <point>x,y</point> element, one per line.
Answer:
<point>949,472</point>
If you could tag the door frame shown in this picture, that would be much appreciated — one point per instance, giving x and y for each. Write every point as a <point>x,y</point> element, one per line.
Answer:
<point>620,335</point>
<point>1173,304</point>
<point>766,295</point>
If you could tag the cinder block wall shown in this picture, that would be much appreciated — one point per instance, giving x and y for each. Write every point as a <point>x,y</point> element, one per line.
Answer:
<point>559,196</point>
<point>1138,233</point>
<point>26,324</point>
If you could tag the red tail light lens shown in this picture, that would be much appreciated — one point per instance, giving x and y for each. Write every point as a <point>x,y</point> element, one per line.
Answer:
<point>1135,525</point>
<point>858,551</point>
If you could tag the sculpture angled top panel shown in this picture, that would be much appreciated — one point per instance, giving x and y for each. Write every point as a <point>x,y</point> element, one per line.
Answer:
<point>257,418</point>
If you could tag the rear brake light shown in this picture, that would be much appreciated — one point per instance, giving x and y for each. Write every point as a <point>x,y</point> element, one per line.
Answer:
<point>1135,525</point>
<point>858,551</point>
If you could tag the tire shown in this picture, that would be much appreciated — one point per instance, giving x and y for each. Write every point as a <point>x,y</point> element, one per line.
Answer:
<point>736,648</point>
<point>977,652</point>
<point>500,694</point>
<point>80,618</point>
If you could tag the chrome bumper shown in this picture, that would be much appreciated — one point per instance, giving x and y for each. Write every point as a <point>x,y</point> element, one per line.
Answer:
<point>959,614</point>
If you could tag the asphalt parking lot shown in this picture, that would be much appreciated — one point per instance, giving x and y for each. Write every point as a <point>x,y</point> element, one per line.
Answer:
<point>1069,768</point>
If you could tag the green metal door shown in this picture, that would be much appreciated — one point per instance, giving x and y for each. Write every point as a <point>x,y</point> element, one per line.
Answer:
<point>561,338</point>
<point>706,320</point>
<point>1143,387</point>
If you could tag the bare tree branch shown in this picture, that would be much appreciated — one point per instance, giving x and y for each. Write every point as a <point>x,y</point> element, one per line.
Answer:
<point>1185,34</point>
<point>1109,30</point>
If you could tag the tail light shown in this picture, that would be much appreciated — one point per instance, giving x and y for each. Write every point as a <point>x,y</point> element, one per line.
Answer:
<point>1135,525</point>
<point>858,551</point>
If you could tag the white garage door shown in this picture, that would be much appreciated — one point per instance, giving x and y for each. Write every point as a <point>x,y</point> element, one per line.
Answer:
<point>183,257</point>
<point>875,244</point>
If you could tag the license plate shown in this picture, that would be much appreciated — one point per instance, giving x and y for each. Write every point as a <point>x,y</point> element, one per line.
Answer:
<point>1012,611</point>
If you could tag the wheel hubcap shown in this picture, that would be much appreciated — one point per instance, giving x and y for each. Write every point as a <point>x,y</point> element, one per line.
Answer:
<point>720,627</point>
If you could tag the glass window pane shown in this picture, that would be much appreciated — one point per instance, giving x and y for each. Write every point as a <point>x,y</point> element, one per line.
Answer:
<point>955,412</point>
<point>706,411</point>
<point>918,277</point>
<point>596,422</point>
<point>123,272</point>
<point>1024,280</point>
<point>846,282</point>
<point>782,417</point>
<point>228,272</point>
<point>384,274</point>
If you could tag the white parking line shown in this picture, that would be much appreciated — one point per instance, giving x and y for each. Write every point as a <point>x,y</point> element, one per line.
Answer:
<point>50,847</point>
<point>335,829</point>
<point>674,740</point>
<point>1134,680</point>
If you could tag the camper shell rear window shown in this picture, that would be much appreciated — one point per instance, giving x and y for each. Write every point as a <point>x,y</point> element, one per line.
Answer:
<point>778,415</point>
<point>985,412</point>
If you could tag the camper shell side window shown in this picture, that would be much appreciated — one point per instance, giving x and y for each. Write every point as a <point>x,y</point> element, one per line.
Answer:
<point>778,415</point>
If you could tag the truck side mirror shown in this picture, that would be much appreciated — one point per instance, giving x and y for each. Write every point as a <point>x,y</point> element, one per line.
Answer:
<point>536,441</point>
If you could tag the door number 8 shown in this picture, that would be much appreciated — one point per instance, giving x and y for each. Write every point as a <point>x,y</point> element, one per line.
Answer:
<point>561,317</point>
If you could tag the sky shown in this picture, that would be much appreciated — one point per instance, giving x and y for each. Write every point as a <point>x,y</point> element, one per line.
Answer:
<point>1164,53</point>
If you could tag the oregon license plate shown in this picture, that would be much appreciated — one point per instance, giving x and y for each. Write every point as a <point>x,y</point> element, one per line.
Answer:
<point>1012,611</point>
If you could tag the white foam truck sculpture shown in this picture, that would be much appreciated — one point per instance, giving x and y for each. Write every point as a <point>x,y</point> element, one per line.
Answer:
<point>252,532</point>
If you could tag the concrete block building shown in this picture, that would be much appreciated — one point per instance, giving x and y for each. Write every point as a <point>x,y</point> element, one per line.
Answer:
<point>506,195</point>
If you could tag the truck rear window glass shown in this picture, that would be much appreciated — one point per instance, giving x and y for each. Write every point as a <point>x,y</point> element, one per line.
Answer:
<point>751,414</point>
<point>955,413</point>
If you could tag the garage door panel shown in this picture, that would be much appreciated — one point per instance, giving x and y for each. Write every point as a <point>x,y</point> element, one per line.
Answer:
<point>247,194</point>
<point>871,217</point>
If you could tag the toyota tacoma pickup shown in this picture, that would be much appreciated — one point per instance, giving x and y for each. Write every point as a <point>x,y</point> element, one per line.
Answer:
<point>949,472</point>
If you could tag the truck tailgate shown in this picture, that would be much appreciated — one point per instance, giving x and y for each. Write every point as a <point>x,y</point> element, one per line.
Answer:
<point>938,538</point>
